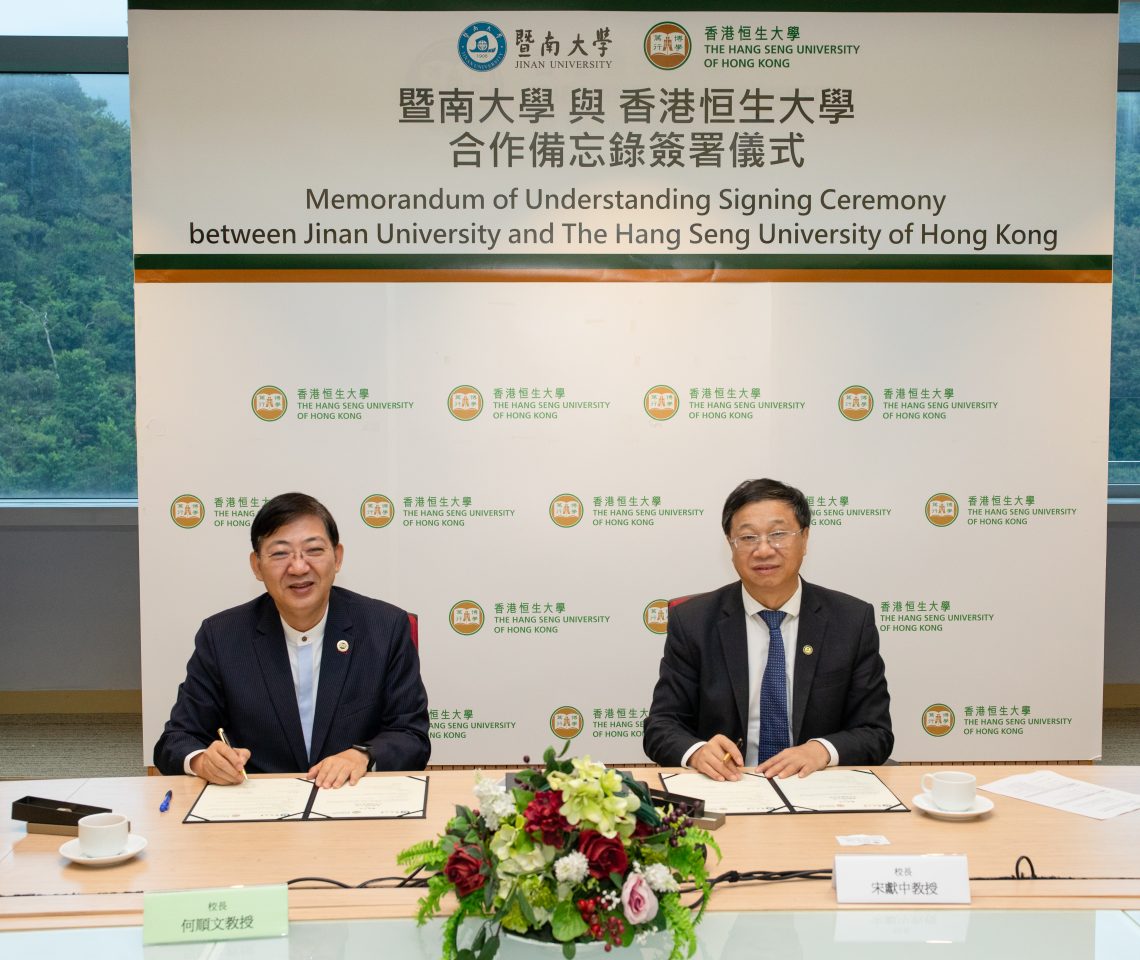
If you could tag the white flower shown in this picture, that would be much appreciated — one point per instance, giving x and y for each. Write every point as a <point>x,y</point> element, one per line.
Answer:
<point>660,878</point>
<point>495,804</point>
<point>571,868</point>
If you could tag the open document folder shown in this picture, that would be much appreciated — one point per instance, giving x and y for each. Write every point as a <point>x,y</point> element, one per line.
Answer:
<point>290,798</point>
<point>826,791</point>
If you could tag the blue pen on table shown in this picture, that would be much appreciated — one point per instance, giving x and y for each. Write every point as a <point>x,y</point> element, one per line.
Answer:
<point>165,805</point>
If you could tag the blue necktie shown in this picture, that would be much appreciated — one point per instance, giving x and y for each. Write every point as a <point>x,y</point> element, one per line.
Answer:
<point>774,735</point>
<point>305,692</point>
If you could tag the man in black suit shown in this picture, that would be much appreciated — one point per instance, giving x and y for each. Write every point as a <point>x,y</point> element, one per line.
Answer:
<point>770,671</point>
<point>307,677</point>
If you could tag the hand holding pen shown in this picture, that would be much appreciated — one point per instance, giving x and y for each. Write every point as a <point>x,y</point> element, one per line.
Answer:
<point>221,762</point>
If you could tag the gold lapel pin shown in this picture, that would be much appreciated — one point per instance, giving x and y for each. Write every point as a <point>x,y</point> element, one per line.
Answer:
<point>808,649</point>
<point>342,646</point>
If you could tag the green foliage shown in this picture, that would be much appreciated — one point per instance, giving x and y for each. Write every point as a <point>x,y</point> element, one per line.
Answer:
<point>1124,404</point>
<point>567,923</point>
<point>681,922</point>
<point>427,853</point>
<point>66,293</point>
<point>438,886</point>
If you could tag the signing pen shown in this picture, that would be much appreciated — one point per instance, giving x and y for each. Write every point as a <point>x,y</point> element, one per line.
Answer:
<point>226,740</point>
<point>165,805</point>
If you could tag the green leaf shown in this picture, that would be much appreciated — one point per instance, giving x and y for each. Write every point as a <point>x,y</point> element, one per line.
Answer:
<point>522,798</point>
<point>480,938</point>
<point>568,950</point>
<point>527,911</point>
<point>616,880</point>
<point>492,947</point>
<point>567,924</point>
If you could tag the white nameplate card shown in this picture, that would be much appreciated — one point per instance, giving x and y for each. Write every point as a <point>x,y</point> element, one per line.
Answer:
<point>220,913</point>
<point>878,878</point>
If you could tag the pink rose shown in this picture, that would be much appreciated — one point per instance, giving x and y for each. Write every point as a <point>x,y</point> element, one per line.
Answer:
<point>637,900</point>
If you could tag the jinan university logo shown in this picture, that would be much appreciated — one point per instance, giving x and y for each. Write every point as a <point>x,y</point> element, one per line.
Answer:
<point>667,45</point>
<point>482,46</point>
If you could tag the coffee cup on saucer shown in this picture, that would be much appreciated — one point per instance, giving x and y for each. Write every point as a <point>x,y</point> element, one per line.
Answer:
<point>951,790</point>
<point>103,834</point>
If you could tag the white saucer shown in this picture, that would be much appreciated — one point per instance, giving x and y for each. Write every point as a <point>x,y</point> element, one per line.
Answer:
<point>982,805</point>
<point>135,846</point>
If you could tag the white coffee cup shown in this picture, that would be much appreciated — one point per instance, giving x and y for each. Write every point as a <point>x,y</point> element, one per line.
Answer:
<point>951,790</point>
<point>103,834</point>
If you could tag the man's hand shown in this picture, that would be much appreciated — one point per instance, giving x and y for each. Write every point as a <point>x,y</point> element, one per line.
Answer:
<point>804,759</point>
<point>220,764</point>
<point>719,759</point>
<point>332,772</point>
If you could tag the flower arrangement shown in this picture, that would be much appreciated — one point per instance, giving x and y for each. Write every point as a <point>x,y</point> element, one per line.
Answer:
<point>576,853</point>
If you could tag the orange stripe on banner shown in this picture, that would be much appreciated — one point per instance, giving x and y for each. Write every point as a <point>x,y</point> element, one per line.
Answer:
<point>562,275</point>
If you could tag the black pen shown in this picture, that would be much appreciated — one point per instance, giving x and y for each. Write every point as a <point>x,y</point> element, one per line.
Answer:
<point>165,805</point>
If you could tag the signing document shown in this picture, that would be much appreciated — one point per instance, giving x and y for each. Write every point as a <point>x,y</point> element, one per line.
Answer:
<point>826,791</point>
<point>290,798</point>
<point>1063,793</point>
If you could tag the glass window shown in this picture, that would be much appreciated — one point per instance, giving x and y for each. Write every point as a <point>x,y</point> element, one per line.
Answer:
<point>63,18</point>
<point>66,294</point>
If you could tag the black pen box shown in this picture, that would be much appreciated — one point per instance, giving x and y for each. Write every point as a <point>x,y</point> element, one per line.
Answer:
<point>60,817</point>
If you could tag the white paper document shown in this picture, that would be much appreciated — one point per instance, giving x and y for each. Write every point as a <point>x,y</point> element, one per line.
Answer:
<point>1064,793</point>
<point>838,791</point>
<point>372,798</point>
<point>750,794</point>
<point>291,798</point>
<point>826,791</point>
<point>279,798</point>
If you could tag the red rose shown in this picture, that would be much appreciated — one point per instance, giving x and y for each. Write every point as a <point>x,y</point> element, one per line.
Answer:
<point>542,814</point>
<point>605,854</point>
<point>463,870</point>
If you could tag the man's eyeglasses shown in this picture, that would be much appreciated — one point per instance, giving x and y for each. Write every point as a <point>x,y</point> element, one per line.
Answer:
<point>309,555</point>
<point>777,540</point>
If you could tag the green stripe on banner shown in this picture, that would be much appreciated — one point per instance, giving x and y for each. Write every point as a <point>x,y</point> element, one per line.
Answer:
<point>492,261</point>
<point>752,6</point>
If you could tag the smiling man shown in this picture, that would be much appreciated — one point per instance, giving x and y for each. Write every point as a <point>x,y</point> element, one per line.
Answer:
<point>769,672</point>
<point>308,677</point>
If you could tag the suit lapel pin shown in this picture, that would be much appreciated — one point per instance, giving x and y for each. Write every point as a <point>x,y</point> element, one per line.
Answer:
<point>342,646</point>
<point>808,649</point>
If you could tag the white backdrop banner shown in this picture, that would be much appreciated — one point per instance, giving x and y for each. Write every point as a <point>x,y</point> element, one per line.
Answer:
<point>411,263</point>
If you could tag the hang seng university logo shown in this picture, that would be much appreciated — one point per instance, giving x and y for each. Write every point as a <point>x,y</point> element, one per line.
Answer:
<point>938,719</point>
<point>942,510</point>
<point>567,722</point>
<point>656,617</point>
<point>856,403</point>
<point>377,511</point>
<point>269,403</point>
<point>465,402</point>
<point>482,46</point>
<point>466,618</point>
<point>667,45</point>
<point>566,510</point>
<point>187,511</point>
<point>662,402</point>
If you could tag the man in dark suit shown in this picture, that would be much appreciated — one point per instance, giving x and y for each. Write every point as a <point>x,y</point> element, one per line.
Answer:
<point>770,671</point>
<point>307,677</point>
